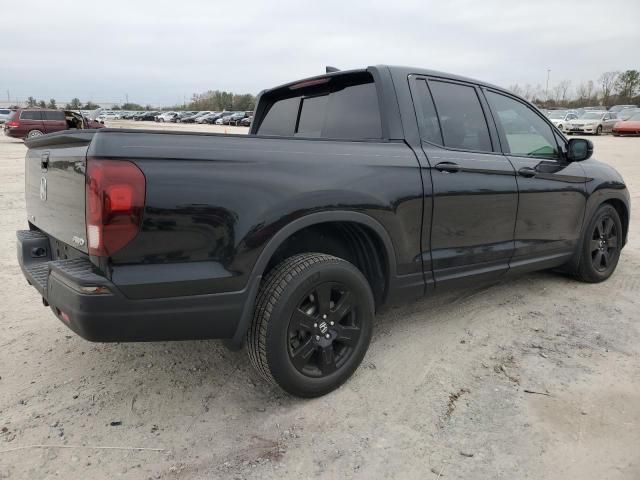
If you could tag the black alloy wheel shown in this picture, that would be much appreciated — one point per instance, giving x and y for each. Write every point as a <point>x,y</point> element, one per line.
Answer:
<point>312,324</point>
<point>601,245</point>
<point>324,330</point>
<point>604,243</point>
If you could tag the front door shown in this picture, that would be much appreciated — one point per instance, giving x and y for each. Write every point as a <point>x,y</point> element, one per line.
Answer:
<point>552,190</point>
<point>474,185</point>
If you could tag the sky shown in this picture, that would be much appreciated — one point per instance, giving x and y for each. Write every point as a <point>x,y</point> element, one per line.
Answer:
<point>160,52</point>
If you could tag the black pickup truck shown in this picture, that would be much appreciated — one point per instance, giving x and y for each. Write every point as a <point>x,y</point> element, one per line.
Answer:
<point>353,190</point>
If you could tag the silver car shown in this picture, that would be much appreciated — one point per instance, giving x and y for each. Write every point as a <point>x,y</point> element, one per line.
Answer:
<point>593,122</point>
<point>4,114</point>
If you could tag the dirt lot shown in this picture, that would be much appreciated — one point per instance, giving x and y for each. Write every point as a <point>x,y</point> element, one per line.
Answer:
<point>442,392</point>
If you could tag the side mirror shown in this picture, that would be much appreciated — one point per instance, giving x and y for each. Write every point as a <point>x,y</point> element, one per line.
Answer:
<point>579,149</point>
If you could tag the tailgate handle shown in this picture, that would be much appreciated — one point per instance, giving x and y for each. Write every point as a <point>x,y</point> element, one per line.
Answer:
<point>44,161</point>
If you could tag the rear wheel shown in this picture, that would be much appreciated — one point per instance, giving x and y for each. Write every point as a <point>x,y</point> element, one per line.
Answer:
<point>601,245</point>
<point>312,324</point>
<point>34,133</point>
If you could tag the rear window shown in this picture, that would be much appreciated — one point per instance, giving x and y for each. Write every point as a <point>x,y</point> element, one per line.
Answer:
<point>53,115</point>
<point>31,115</point>
<point>341,108</point>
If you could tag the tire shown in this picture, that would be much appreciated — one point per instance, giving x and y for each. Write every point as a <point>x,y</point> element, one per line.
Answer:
<point>599,130</point>
<point>312,324</point>
<point>34,133</point>
<point>600,246</point>
<point>561,128</point>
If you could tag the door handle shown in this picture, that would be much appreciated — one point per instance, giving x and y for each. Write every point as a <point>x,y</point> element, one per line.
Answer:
<point>448,167</point>
<point>527,172</point>
<point>44,161</point>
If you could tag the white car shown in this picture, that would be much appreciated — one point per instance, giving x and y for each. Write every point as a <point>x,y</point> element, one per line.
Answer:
<point>561,118</point>
<point>165,117</point>
<point>109,116</point>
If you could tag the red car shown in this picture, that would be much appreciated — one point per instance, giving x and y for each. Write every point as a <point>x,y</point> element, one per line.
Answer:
<point>631,126</point>
<point>32,122</point>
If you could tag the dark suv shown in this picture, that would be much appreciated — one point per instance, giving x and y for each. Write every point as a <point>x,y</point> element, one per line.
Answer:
<point>29,123</point>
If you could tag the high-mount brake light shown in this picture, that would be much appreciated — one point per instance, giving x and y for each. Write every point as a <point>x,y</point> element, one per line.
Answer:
<point>115,191</point>
<point>309,83</point>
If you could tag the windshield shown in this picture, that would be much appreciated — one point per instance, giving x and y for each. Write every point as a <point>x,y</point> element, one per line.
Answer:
<point>635,117</point>
<point>591,116</point>
<point>557,115</point>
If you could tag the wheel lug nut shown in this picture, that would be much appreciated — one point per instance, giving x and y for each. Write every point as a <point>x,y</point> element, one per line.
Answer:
<point>324,317</point>
<point>317,337</point>
<point>331,323</point>
<point>327,336</point>
<point>315,325</point>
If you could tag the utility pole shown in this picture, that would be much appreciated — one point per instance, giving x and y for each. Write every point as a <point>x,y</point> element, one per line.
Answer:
<point>8,96</point>
<point>127,97</point>
<point>546,91</point>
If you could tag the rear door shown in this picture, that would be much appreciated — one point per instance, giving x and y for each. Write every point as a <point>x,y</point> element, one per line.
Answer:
<point>30,121</point>
<point>54,121</point>
<point>552,194</point>
<point>474,186</point>
<point>610,120</point>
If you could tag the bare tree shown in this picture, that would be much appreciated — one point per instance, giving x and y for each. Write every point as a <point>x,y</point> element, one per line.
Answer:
<point>607,81</point>
<point>515,89</point>
<point>582,91</point>
<point>589,89</point>
<point>557,92</point>
<point>564,87</point>
<point>627,84</point>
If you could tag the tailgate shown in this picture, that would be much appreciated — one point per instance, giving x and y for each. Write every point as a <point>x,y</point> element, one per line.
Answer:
<point>55,186</point>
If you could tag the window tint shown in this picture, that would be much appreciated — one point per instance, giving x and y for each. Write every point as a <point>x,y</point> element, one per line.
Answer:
<point>349,112</point>
<point>4,112</point>
<point>312,116</point>
<point>461,117</point>
<point>353,113</point>
<point>53,115</point>
<point>527,134</point>
<point>281,118</point>
<point>429,125</point>
<point>31,115</point>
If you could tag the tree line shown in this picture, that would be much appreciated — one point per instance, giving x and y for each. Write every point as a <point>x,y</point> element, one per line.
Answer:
<point>214,100</point>
<point>609,89</point>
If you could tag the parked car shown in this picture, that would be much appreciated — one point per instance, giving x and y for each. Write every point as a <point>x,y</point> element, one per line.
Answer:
<point>193,118</point>
<point>220,119</point>
<point>178,118</point>
<point>246,122</point>
<point>109,116</point>
<point>4,114</point>
<point>204,118</point>
<point>592,122</point>
<point>400,182</point>
<point>165,117</point>
<point>618,108</point>
<point>561,118</point>
<point>630,126</point>
<point>148,116</point>
<point>32,122</point>
<point>218,115</point>
<point>236,118</point>
<point>627,113</point>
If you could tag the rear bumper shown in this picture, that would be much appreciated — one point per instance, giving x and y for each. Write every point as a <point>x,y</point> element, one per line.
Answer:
<point>94,308</point>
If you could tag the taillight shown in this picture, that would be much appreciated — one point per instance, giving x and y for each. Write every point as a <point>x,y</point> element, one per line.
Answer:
<point>115,202</point>
<point>13,124</point>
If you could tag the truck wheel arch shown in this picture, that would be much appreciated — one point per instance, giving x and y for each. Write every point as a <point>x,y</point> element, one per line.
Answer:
<point>283,235</point>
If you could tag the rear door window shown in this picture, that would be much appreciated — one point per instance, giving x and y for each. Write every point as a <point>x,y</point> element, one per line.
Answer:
<point>461,117</point>
<point>428,118</point>
<point>31,115</point>
<point>335,110</point>
<point>53,115</point>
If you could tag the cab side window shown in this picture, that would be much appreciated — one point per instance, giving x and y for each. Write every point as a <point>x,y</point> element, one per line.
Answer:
<point>461,117</point>
<point>527,134</point>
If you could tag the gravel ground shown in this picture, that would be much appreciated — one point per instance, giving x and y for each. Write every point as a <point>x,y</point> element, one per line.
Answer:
<point>446,390</point>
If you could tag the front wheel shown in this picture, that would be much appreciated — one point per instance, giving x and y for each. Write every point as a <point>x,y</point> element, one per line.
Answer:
<point>312,324</point>
<point>601,245</point>
<point>599,130</point>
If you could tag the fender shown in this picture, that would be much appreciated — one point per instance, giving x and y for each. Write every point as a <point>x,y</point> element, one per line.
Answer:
<point>283,234</point>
